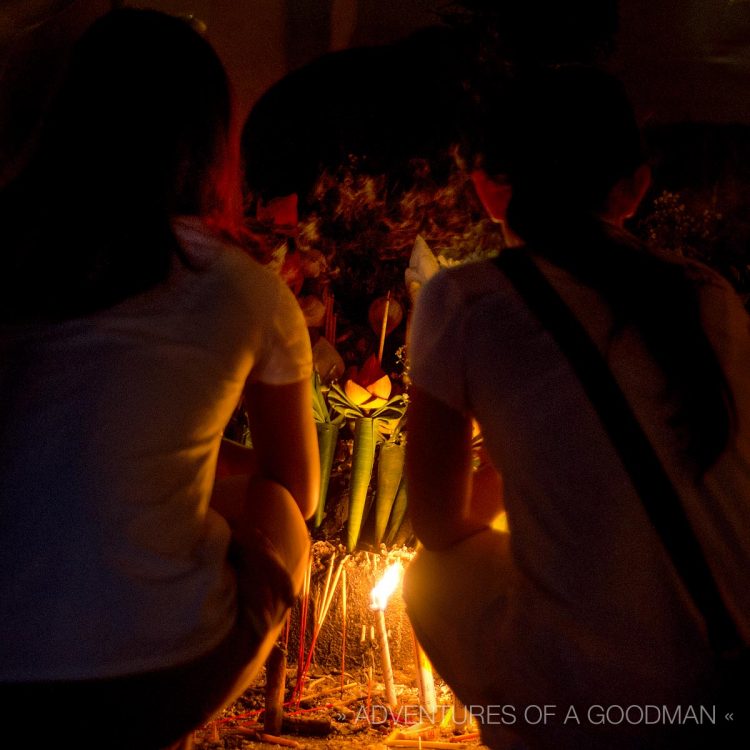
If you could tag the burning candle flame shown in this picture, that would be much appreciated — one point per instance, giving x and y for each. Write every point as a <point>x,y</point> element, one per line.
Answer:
<point>386,586</point>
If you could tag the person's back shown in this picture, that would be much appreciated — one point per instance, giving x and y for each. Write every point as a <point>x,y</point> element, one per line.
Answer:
<point>580,605</point>
<point>110,431</point>
<point>130,328</point>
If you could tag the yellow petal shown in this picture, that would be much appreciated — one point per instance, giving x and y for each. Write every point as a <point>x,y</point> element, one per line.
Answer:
<point>374,403</point>
<point>381,387</point>
<point>356,393</point>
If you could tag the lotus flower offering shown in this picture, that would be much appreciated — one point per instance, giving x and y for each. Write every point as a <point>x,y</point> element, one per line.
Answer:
<point>370,388</point>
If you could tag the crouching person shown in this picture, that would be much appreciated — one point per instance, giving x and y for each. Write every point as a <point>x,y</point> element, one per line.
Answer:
<point>139,595</point>
<point>562,632</point>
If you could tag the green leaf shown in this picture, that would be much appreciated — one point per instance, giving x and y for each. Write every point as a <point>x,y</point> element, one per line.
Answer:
<point>320,410</point>
<point>397,513</point>
<point>342,404</point>
<point>363,460</point>
<point>390,471</point>
<point>393,409</point>
<point>327,438</point>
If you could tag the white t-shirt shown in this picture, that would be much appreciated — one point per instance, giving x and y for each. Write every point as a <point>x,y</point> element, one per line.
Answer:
<point>111,561</point>
<point>591,605</point>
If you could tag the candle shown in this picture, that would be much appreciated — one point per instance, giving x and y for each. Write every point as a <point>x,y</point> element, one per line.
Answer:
<point>379,596</point>
<point>385,660</point>
<point>425,679</point>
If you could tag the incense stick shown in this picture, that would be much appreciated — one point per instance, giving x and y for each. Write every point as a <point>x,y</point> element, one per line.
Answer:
<point>343,632</point>
<point>305,598</point>
<point>384,327</point>
<point>323,607</point>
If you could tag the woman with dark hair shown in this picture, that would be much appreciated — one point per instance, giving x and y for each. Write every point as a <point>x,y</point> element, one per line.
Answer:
<point>131,325</point>
<point>580,607</point>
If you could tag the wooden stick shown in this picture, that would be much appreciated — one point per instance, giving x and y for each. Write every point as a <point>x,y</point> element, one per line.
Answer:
<point>419,730</point>
<point>275,686</point>
<point>465,737</point>
<point>426,744</point>
<point>384,326</point>
<point>394,735</point>
<point>244,731</point>
<point>314,683</point>
<point>251,731</point>
<point>348,701</point>
<point>330,330</point>
<point>287,628</point>
<point>272,739</point>
<point>343,632</point>
<point>345,712</point>
<point>326,313</point>
<point>328,691</point>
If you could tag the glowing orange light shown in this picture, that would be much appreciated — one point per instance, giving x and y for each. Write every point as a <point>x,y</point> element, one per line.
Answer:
<point>386,586</point>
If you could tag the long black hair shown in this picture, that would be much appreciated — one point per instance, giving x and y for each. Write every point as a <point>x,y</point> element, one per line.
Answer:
<point>139,132</point>
<point>569,135</point>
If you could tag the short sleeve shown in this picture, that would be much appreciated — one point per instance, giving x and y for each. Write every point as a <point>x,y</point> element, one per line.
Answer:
<point>286,355</point>
<point>436,341</point>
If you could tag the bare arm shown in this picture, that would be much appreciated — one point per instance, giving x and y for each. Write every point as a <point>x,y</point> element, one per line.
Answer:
<point>439,474</point>
<point>486,490</point>
<point>284,439</point>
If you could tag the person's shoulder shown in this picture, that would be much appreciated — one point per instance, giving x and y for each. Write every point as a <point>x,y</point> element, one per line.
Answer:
<point>450,297</point>
<point>467,281</point>
<point>703,274</point>
<point>209,250</point>
<point>723,311</point>
<point>712,285</point>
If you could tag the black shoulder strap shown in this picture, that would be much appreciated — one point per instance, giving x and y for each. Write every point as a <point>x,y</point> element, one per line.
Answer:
<point>659,497</point>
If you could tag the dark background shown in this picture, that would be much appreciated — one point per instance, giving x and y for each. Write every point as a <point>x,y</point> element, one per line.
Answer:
<point>681,59</point>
